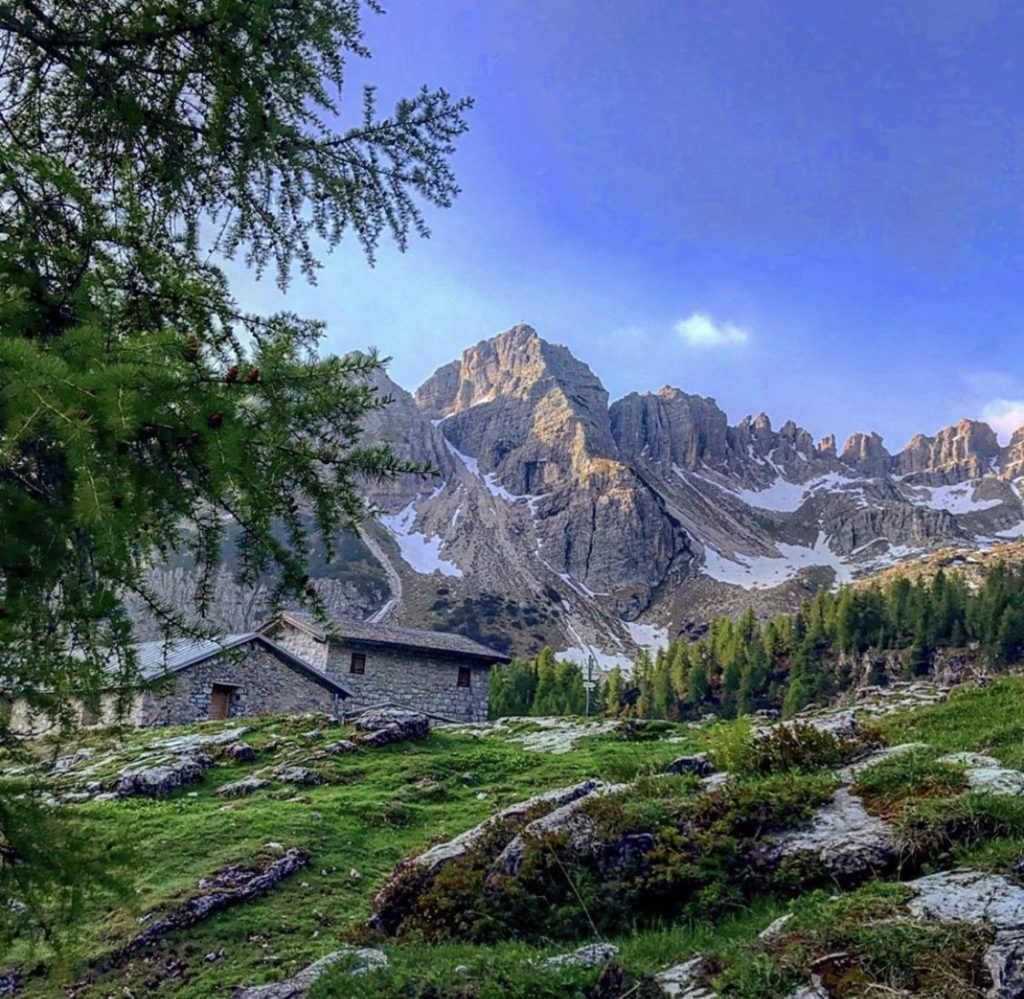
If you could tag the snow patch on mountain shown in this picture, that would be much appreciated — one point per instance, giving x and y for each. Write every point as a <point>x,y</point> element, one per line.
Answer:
<point>421,554</point>
<point>647,636</point>
<point>758,572</point>
<point>956,499</point>
<point>494,487</point>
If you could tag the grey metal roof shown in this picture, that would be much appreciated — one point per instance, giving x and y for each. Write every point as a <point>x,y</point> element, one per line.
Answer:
<point>367,633</point>
<point>156,659</point>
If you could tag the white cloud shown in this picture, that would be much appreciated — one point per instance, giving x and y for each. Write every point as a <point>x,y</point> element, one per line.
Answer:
<point>1004,416</point>
<point>700,330</point>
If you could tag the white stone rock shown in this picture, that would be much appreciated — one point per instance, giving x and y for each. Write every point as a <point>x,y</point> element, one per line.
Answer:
<point>364,960</point>
<point>437,856</point>
<point>982,899</point>
<point>564,819</point>
<point>970,760</point>
<point>589,956</point>
<point>774,928</point>
<point>996,780</point>
<point>843,837</point>
<point>681,981</point>
<point>809,992</point>
<point>184,743</point>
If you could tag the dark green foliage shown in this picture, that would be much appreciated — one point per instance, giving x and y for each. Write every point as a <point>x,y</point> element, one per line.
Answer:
<point>798,660</point>
<point>142,411</point>
<point>933,826</point>
<point>660,851</point>
<point>542,686</point>
<point>490,618</point>
<point>795,746</point>
<point>50,865</point>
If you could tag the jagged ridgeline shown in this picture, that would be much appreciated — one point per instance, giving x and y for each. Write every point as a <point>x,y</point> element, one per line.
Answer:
<point>559,518</point>
<point>947,624</point>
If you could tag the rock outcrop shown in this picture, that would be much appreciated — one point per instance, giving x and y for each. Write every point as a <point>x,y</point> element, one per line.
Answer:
<point>361,961</point>
<point>956,454</point>
<point>160,780</point>
<point>381,726</point>
<point>843,838</point>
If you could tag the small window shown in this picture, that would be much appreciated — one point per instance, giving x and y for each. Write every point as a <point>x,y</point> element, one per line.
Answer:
<point>464,676</point>
<point>90,714</point>
<point>358,663</point>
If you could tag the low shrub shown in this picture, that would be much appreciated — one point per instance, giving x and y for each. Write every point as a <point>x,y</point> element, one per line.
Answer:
<point>793,746</point>
<point>933,826</point>
<point>896,782</point>
<point>495,978</point>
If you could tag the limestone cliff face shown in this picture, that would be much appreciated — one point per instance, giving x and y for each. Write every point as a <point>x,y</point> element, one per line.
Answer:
<point>551,517</point>
<point>669,428</point>
<point>412,437</point>
<point>955,454</point>
<point>533,419</point>
<point>867,454</point>
<point>1011,458</point>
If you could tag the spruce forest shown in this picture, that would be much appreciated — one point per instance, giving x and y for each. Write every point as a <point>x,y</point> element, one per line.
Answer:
<point>791,661</point>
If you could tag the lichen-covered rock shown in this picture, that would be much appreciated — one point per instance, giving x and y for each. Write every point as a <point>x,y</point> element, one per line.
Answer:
<point>995,780</point>
<point>698,764</point>
<point>188,743</point>
<point>414,875</point>
<point>569,820</point>
<point>589,956</point>
<point>159,781</point>
<point>241,752</point>
<point>363,961</point>
<point>341,747</point>
<point>437,856</point>
<point>301,776</point>
<point>774,929</point>
<point>381,726</point>
<point>842,837</point>
<point>683,981</point>
<point>238,788</point>
<point>63,764</point>
<point>839,724</point>
<point>970,760</point>
<point>983,899</point>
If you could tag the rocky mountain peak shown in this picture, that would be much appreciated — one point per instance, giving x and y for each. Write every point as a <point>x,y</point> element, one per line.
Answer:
<point>516,364</point>
<point>867,454</point>
<point>669,427</point>
<point>964,451</point>
<point>1011,459</point>
<point>524,409</point>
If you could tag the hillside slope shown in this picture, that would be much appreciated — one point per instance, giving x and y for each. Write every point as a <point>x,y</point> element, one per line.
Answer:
<point>375,805</point>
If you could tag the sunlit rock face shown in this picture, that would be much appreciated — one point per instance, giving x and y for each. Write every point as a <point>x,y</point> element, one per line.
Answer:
<point>549,516</point>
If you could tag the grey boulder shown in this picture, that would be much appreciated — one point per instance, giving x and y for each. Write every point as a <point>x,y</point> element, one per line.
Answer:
<point>363,961</point>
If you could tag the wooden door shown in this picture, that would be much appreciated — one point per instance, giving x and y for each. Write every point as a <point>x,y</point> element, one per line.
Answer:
<point>220,702</point>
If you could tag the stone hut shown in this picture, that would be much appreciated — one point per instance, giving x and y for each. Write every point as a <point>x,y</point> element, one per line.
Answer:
<point>194,680</point>
<point>438,673</point>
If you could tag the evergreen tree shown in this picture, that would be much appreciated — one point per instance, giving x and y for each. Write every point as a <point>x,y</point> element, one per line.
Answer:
<point>613,692</point>
<point>143,411</point>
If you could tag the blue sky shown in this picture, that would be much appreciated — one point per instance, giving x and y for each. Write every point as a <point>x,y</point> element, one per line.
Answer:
<point>815,209</point>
